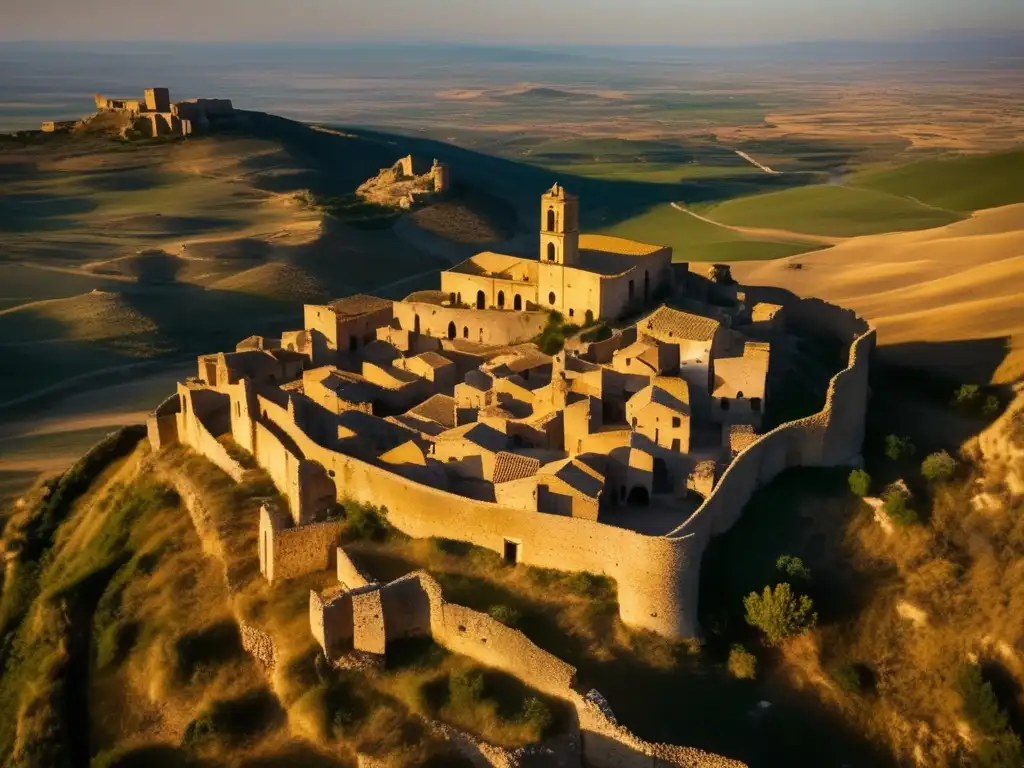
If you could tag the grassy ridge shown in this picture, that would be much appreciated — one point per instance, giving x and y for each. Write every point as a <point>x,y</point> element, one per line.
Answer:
<point>963,183</point>
<point>695,240</point>
<point>830,210</point>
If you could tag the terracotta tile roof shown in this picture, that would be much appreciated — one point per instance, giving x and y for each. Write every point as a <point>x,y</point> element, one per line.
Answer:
<point>511,466</point>
<point>440,409</point>
<point>667,323</point>
<point>359,304</point>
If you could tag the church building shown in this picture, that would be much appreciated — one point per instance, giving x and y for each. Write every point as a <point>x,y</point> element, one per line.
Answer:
<point>584,277</point>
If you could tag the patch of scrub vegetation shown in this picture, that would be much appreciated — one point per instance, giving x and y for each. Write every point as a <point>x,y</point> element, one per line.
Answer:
<point>958,183</point>
<point>359,213</point>
<point>830,210</point>
<point>695,240</point>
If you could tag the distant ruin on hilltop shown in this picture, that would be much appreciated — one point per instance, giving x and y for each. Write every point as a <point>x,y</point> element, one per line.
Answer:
<point>405,184</point>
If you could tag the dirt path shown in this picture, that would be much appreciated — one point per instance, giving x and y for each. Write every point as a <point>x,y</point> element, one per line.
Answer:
<point>754,162</point>
<point>761,233</point>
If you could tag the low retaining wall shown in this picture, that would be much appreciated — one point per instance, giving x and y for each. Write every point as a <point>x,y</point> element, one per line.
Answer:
<point>259,645</point>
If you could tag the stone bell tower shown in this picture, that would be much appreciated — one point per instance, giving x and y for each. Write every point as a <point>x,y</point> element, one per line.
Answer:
<point>559,227</point>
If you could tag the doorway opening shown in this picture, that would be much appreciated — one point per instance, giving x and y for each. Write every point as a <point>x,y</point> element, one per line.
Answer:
<point>511,553</point>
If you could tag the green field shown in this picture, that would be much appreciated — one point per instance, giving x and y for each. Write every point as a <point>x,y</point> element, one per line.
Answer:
<point>830,210</point>
<point>959,183</point>
<point>695,240</point>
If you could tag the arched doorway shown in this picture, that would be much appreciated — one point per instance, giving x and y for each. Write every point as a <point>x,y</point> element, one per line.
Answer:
<point>551,220</point>
<point>416,324</point>
<point>638,496</point>
<point>480,299</point>
<point>517,303</point>
<point>589,317</point>
<point>551,251</point>
<point>451,330</point>
<point>465,331</point>
<point>501,299</point>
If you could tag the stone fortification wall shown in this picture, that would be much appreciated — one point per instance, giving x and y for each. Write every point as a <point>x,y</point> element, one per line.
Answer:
<point>349,574</point>
<point>200,410</point>
<point>162,424</point>
<point>490,326</point>
<point>644,567</point>
<point>286,553</point>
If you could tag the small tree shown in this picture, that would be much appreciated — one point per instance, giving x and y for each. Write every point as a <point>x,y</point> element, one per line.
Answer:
<point>779,613</point>
<point>897,447</point>
<point>742,663</point>
<point>793,566</point>
<point>860,482</point>
<point>938,467</point>
<point>897,507</point>
<point>967,394</point>
<point>506,614</point>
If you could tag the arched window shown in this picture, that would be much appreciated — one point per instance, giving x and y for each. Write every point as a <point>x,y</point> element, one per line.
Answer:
<point>589,317</point>
<point>551,251</point>
<point>739,395</point>
<point>465,331</point>
<point>451,330</point>
<point>725,404</point>
<point>501,299</point>
<point>480,299</point>
<point>551,298</point>
<point>551,220</point>
<point>572,312</point>
<point>517,303</point>
<point>416,324</point>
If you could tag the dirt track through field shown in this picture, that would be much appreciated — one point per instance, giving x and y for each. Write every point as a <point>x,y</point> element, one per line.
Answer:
<point>760,233</point>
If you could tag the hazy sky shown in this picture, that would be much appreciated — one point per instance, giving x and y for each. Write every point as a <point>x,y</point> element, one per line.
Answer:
<point>510,21</point>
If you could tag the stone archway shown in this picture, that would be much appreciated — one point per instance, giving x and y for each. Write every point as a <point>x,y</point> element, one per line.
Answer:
<point>451,330</point>
<point>501,299</point>
<point>517,303</point>
<point>480,299</point>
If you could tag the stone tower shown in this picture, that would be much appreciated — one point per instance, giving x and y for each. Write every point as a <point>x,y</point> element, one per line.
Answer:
<point>559,227</point>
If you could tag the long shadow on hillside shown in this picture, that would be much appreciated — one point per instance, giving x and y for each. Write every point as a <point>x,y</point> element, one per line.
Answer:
<point>343,160</point>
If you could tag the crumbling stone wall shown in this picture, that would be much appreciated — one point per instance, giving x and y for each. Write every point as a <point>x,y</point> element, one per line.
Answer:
<point>201,412</point>
<point>368,634</point>
<point>162,424</point>
<point>259,645</point>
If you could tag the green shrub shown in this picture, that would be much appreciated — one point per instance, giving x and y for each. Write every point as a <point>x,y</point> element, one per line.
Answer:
<point>779,613</point>
<point>793,566</point>
<point>465,688</point>
<point>967,394</point>
<point>366,521</point>
<point>999,746</point>
<point>938,467</point>
<point>860,482</point>
<point>897,447</point>
<point>597,333</point>
<point>742,663</point>
<point>536,715</point>
<point>506,614</point>
<point>897,507</point>
<point>849,677</point>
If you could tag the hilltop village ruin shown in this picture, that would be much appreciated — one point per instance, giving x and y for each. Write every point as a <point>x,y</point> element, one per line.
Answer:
<point>152,116</point>
<point>621,454</point>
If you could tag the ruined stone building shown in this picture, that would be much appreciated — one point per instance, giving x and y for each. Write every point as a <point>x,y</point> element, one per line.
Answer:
<point>156,115</point>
